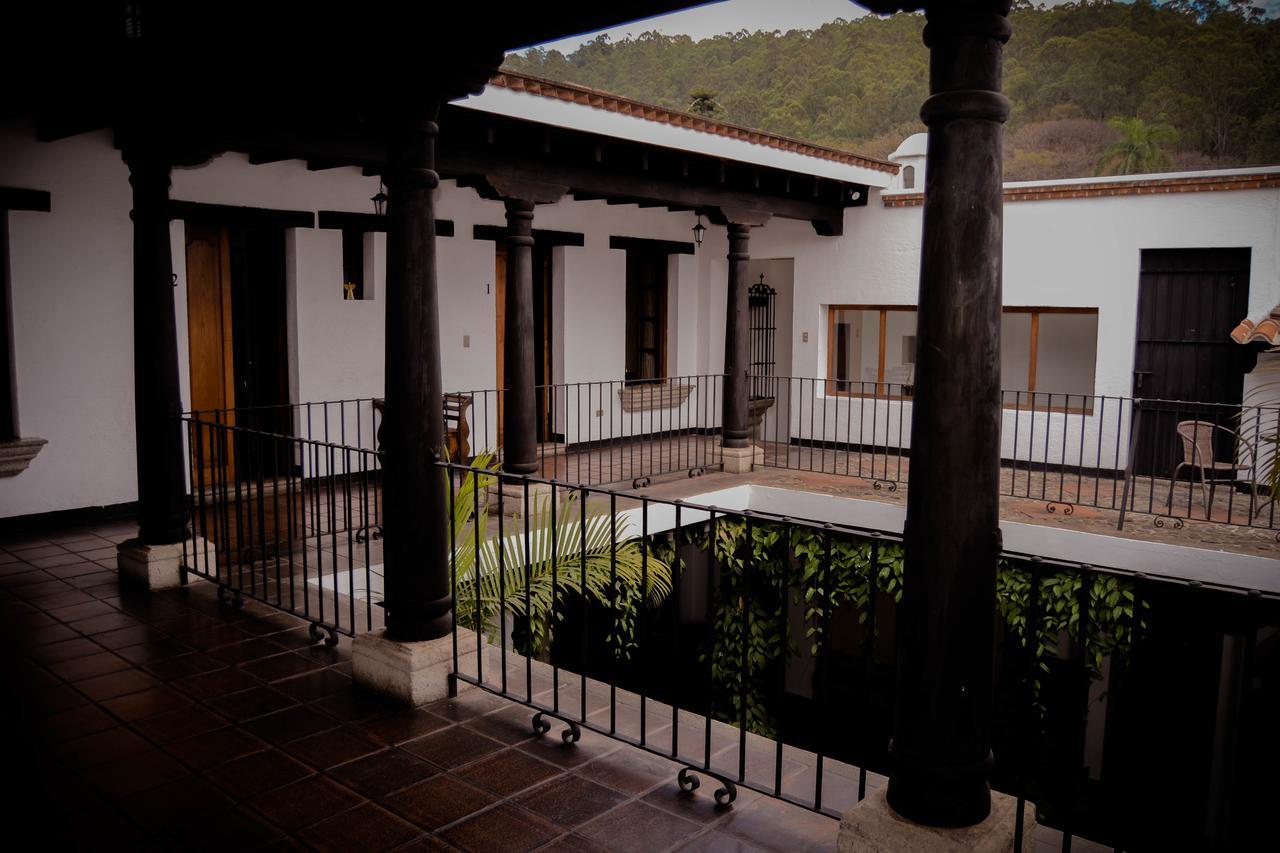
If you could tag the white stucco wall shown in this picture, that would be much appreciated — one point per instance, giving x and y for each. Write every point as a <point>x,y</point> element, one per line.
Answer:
<point>72,295</point>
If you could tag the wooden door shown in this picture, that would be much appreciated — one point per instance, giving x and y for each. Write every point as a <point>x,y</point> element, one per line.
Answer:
<point>1189,300</point>
<point>500,292</point>
<point>212,356</point>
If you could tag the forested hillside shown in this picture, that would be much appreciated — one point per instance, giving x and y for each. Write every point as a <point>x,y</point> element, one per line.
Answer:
<point>1098,87</point>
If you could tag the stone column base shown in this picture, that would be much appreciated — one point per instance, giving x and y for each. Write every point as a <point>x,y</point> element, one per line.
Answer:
<point>513,497</point>
<point>413,673</point>
<point>160,566</point>
<point>741,460</point>
<point>872,826</point>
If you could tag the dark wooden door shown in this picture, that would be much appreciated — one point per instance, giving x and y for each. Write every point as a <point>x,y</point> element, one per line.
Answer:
<point>1189,300</point>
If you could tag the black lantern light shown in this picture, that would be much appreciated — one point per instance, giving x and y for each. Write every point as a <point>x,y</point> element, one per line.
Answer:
<point>698,230</point>
<point>379,200</point>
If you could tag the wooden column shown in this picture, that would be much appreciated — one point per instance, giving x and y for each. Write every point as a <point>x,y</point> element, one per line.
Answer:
<point>157,402</point>
<point>416,544</point>
<point>737,345</point>
<point>519,404</point>
<point>941,746</point>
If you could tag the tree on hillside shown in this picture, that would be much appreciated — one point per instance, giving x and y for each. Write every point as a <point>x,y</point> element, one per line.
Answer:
<point>1209,69</point>
<point>703,102</point>
<point>1140,148</point>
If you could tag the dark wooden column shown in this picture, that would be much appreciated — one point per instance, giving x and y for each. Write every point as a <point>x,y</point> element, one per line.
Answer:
<point>737,344</point>
<point>416,545</point>
<point>519,403</point>
<point>157,402</point>
<point>941,746</point>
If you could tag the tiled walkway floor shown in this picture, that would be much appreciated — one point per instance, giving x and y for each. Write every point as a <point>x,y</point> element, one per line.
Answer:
<point>161,721</point>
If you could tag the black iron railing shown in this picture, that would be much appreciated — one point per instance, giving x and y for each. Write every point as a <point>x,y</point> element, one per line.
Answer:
<point>756,650</point>
<point>292,522</point>
<point>593,433</point>
<point>1065,450</point>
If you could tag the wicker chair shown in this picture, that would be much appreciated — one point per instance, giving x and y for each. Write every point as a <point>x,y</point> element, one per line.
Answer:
<point>1198,455</point>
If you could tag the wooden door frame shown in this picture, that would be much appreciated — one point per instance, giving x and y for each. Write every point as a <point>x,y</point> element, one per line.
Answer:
<point>219,237</point>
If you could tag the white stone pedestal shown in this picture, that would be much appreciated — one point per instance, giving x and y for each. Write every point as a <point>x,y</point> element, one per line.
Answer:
<point>413,673</point>
<point>160,566</point>
<point>741,460</point>
<point>872,826</point>
<point>513,497</point>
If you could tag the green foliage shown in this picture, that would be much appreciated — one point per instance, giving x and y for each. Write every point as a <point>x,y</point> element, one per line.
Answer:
<point>1140,148</point>
<point>1210,69</point>
<point>703,102</point>
<point>569,554</point>
<point>825,572</point>
<point>1111,623</point>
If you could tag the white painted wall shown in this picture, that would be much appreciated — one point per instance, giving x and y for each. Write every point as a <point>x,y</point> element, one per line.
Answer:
<point>72,288</point>
<point>72,293</point>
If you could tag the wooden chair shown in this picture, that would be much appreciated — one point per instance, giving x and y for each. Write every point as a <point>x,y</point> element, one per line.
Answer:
<point>1198,455</point>
<point>457,432</point>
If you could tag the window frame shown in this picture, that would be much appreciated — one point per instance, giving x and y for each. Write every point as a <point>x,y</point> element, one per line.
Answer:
<point>1033,352</point>
<point>1032,357</point>
<point>832,381</point>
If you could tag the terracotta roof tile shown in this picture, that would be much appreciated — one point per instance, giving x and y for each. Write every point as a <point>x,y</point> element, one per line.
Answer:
<point>601,100</point>
<point>1265,331</point>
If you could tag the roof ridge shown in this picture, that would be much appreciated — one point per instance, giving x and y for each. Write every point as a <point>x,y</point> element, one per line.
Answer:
<point>519,81</point>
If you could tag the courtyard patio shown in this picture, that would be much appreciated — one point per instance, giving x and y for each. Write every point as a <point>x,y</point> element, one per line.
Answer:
<point>165,721</point>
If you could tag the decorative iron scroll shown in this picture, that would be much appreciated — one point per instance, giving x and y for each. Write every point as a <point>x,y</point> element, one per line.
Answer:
<point>1067,508</point>
<point>572,734</point>
<point>324,632</point>
<point>369,534</point>
<point>688,781</point>
<point>887,485</point>
<point>229,597</point>
<point>1171,520</point>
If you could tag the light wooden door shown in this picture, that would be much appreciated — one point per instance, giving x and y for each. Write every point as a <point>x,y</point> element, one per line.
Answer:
<point>500,292</point>
<point>209,338</point>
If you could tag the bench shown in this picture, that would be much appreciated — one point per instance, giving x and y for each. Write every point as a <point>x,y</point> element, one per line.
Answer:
<point>457,431</point>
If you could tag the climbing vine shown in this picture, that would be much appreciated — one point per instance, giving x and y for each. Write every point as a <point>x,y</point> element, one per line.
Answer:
<point>824,570</point>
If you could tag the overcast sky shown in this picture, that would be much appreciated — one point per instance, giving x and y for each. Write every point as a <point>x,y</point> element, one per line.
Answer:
<point>751,15</point>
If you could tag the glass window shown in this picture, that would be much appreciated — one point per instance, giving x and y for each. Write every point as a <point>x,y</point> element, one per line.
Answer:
<point>871,350</point>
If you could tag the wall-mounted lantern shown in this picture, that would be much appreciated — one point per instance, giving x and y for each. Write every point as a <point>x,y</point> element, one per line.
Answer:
<point>698,230</point>
<point>379,200</point>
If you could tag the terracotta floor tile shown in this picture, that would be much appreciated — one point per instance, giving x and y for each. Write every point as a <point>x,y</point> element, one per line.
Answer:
<point>452,747</point>
<point>629,771</point>
<point>182,722</point>
<point>437,802</point>
<point>290,724</point>
<point>508,772</point>
<point>136,773</point>
<point>301,804</point>
<point>504,829</point>
<point>257,773</point>
<point>210,749</point>
<point>105,687</point>
<point>76,722</point>
<point>381,773</point>
<point>280,666</point>
<point>407,725</point>
<point>89,666</point>
<point>247,704</point>
<point>331,748</point>
<point>147,703</point>
<point>215,684</point>
<point>570,801</point>
<point>314,685</point>
<point>364,829</point>
<point>102,747</point>
<point>638,827</point>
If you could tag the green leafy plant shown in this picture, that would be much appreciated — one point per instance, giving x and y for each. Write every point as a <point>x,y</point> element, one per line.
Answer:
<point>1140,148</point>
<point>567,554</point>
<point>824,571</point>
